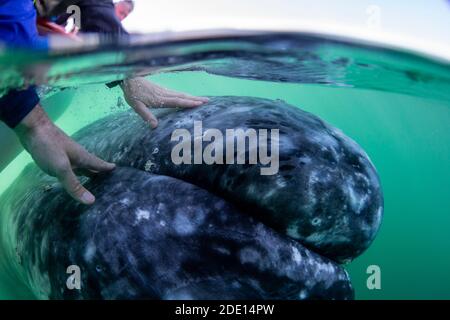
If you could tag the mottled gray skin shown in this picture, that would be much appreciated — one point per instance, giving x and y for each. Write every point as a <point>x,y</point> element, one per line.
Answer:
<point>155,237</point>
<point>327,193</point>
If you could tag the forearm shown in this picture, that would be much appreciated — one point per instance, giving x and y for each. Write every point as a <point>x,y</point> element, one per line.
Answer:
<point>37,118</point>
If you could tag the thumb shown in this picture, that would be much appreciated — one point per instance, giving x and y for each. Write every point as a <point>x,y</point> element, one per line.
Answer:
<point>74,188</point>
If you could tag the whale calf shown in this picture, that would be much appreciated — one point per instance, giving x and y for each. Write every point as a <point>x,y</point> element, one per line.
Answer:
<point>161,230</point>
<point>156,237</point>
<point>327,193</point>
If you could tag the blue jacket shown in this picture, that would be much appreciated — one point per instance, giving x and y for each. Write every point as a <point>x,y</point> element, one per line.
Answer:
<point>18,29</point>
<point>18,25</point>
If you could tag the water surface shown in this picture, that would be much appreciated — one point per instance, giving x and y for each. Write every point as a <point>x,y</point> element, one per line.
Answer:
<point>396,105</point>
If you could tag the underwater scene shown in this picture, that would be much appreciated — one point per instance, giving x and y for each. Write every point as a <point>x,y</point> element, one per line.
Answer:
<point>347,198</point>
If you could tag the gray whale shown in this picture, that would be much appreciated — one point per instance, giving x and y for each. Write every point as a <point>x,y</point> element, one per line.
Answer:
<point>156,237</point>
<point>327,193</point>
<point>165,231</point>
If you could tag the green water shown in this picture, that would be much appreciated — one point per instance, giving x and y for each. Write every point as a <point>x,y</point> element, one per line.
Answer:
<point>407,138</point>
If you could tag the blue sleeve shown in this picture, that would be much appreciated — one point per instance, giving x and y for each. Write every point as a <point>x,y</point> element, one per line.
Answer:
<point>16,104</point>
<point>18,30</point>
<point>18,25</point>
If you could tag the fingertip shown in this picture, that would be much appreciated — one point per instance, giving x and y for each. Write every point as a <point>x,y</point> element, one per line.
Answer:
<point>87,198</point>
<point>197,103</point>
<point>202,99</point>
<point>110,166</point>
<point>153,124</point>
<point>96,164</point>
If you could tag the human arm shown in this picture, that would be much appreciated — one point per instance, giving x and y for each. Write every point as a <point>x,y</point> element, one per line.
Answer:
<point>58,155</point>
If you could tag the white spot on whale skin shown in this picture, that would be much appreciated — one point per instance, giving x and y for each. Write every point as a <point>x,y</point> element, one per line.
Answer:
<point>125,201</point>
<point>313,178</point>
<point>182,295</point>
<point>142,214</point>
<point>305,160</point>
<point>223,250</point>
<point>286,143</point>
<point>281,182</point>
<point>316,221</point>
<point>296,256</point>
<point>292,231</point>
<point>324,140</point>
<point>161,208</point>
<point>323,271</point>
<point>249,255</point>
<point>303,295</point>
<point>270,193</point>
<point>183,225</point>
<point>189,219</point>
<point>90,251</point>
<point>357,201</point>
<point>148,166</point>
<point>322,238</point>
<point>379,214</point>
<point>378,217</point>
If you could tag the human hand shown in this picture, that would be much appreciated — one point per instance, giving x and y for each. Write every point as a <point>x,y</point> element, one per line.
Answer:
<point>58,155</point>
<point>141,95</point>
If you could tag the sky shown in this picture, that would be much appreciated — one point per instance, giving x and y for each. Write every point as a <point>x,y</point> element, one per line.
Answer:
<point>417,24</point>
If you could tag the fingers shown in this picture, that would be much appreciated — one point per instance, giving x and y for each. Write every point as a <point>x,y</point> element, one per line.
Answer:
<point>85,173</point>
<point>186,96</point>
<point>176,102</point>
<point>74,187</point>
<point>83,160</point>
<point>202,99</point>
<point>87,164</point>
<point>142,110</point>
<point>93,163</point>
